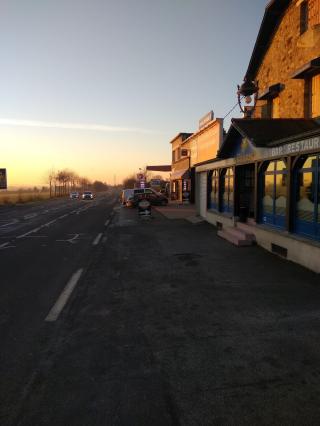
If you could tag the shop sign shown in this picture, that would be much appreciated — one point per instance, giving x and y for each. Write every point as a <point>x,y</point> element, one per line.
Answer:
<point>296,147</point>
<point>206,120</point>
<point>244,152</point>
<point>3,178</point>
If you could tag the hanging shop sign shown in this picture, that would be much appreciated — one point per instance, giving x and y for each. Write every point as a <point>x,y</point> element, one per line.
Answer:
<point>3,178</point>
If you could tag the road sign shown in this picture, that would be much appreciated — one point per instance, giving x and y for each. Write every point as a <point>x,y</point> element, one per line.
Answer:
<point>3,178</point>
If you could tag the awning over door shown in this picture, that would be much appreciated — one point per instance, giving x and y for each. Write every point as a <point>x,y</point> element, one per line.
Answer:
<point>180,174</point>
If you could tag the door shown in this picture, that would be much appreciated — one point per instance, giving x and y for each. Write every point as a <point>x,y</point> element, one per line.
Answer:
<point>203,194</point>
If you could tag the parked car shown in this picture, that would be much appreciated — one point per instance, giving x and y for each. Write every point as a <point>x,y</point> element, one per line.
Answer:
<point>125,195</point>
<point>155,198</point>
<point>74,194</point>
<point>87,195</point>
<point>130,201</point>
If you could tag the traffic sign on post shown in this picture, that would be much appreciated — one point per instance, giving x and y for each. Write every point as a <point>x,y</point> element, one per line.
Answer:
<point>3,178</point>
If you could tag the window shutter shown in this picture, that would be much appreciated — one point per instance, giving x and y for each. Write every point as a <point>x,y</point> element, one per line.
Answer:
<point>315,100</point>
<point>276,107</point>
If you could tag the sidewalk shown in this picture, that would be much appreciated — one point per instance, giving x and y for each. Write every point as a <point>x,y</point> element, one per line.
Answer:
<point>179,211</point>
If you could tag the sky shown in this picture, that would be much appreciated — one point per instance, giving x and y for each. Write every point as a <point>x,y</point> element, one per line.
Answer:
<point>102,86</point>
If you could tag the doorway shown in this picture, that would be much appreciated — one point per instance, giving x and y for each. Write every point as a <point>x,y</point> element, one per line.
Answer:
<point>245,182</point>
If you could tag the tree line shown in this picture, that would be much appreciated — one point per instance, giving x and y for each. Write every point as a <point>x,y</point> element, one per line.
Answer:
<point>64,181</point>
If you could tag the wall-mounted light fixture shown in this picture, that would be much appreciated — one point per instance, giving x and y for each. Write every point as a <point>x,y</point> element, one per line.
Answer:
<point>249,92</point>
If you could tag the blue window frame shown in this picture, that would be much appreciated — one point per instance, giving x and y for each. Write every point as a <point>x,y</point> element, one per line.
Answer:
<point>214,194</point>
<point>227,190</point>
<point>307,197</point>
<point>274,194</point>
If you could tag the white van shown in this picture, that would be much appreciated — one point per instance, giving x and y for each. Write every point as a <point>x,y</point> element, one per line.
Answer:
<point>125,194</point>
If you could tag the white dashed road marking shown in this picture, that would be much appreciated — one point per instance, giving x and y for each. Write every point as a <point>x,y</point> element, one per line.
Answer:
<point>97,239</point>
<point>63,216</point>
<point>50,223</point>
<point>71,240</point>
<point>64,296</point>
<point>30,216</point>
<point>28,233</point>
<point>107,222</point>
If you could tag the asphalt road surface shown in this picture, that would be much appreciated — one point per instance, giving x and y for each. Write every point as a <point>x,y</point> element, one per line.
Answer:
<point>45,248</point>
<point>108,319</point>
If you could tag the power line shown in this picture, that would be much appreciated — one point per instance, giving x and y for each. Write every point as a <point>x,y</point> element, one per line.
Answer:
<point>232,108</point>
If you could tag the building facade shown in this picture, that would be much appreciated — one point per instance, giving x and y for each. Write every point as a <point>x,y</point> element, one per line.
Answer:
<point>189,149</point>
<point>265,181</point>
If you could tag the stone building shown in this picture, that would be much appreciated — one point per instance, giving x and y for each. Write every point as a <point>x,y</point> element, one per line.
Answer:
<point>264,184</point>
<point>189,149</point>
<point>286,60</point>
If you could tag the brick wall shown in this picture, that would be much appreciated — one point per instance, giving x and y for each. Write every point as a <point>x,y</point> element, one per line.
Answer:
<point>288,52</point>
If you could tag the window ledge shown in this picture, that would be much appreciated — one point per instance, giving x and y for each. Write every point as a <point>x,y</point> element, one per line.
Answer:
<point>227,215</point>
<point>286,234</point>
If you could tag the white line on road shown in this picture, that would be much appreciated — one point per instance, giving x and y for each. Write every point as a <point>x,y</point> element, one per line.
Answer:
<point>33,231</point>
<point>14,221</point>
<point>63,216</point>
<point>64,296</point>
<point>97,239</point>
<point>3,245</point>
<point>107,222</point>
<point>28,233</point>
<point>50,223</point>
<point>30,215</point>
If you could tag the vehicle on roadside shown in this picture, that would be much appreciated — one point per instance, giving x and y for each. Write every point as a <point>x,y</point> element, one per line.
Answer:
<point>87,195</point>
<point>130,201</point>
<point>125,194</point>
<point>74,194</point>
<point>155,198</point>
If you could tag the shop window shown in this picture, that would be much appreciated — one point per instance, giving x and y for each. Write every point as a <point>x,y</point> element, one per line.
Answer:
<point>274,191</point>
<point>227,190</point>
<point>315,96</point>
<point>307,190</point>
<point>304,15</point>
<point>214,194</point>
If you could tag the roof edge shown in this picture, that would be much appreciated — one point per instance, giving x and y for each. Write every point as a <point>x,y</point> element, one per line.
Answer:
<point>274,11</point>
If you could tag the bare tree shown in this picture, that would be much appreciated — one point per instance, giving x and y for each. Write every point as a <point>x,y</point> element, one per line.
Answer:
<point>51,178</point>
<point>129,181</point>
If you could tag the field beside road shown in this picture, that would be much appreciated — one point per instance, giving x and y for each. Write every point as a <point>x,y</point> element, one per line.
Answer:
<point>21,197</point>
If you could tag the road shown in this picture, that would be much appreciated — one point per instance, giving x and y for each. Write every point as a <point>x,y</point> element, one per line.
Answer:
<point>43,247</point>
<point>108,319</point>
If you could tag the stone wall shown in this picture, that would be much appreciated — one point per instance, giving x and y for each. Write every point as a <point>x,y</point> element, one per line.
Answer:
<point>288,52</point>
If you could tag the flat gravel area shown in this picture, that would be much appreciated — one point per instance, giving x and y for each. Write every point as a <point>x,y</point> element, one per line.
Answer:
<point>171,325</point>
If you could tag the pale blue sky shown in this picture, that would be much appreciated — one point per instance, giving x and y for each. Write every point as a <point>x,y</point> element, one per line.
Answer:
<point>154,67</point>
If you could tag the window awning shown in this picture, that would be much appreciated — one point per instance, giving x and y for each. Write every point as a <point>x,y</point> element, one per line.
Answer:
<point>309,69</point>
<point>180,174</point>
<point>271,92</point>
